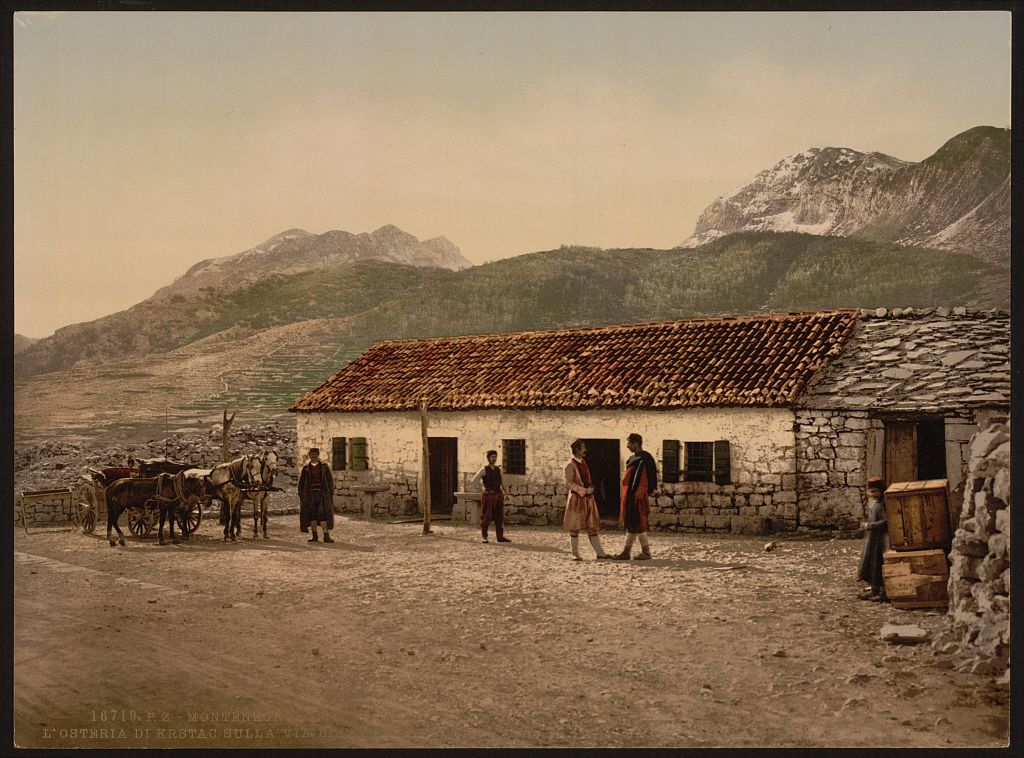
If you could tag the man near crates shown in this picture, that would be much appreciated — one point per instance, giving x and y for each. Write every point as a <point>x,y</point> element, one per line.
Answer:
<point>876,541</point>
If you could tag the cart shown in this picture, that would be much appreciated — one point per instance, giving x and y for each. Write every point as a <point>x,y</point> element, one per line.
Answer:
<point>90,504</point>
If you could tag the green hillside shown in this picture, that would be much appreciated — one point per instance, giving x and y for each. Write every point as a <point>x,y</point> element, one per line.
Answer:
<point>572,286</point>
<point>742,273</point>
<point>577,286</point>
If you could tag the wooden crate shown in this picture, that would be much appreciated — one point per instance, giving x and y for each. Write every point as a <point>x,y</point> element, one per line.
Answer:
<point>918,515</point>
<point>916,579</point>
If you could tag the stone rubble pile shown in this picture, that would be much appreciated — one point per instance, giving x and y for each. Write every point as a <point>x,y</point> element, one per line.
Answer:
<point>60,464</point>
<point>979,577</point>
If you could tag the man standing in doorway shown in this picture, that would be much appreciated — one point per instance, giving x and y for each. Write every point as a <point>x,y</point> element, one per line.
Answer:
<point>492,498</point>
<point>316,496</point>
<point>581,506</point>
<point>639,481</point>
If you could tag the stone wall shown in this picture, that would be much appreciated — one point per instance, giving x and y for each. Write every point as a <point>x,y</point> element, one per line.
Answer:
<point>761,495</point>
<point>832,467</point>
<point>837,450</point>
<point>399,499</point>
<point>979,581</point>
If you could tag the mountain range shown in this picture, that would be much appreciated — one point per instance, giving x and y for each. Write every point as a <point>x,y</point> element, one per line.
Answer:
<point>256,329</point>
<point>956,199</point>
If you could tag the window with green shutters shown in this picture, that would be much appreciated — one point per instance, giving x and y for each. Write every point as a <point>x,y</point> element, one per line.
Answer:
<point>338,454</point>
<point>360,458</point>
<point>670,461</point>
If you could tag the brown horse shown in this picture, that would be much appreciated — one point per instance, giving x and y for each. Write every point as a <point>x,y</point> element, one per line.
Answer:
<point>143,492</point>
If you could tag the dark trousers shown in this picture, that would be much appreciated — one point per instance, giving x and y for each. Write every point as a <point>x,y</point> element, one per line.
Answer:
<point>492,505</point>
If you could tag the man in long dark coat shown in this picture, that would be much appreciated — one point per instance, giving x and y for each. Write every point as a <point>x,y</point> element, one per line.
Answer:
<point>316,496</point>
<point>876,541</point>
<point>638,482</point>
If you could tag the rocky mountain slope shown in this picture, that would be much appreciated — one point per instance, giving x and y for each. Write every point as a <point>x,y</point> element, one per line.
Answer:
<point>296,251</point>
<point>956,199</point>
<point>21,342</point>
<point>224,292</point>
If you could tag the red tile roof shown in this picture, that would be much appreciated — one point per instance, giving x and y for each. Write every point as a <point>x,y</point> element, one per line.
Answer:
<point>763,359</point>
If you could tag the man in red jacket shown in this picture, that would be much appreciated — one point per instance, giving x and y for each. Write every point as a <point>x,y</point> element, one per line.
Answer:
<point>639,481</point>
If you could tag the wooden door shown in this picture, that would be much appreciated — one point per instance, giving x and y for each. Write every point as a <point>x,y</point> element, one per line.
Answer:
<point>444,471</point>
<point>900,452</point>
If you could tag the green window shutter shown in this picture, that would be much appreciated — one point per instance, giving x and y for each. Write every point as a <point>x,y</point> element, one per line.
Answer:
<point>338,454</point>
<point>721,457</point>
<point>360,460</point>
<point>670,461</point>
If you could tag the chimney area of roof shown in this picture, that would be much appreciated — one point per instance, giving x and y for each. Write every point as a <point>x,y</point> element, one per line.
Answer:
<point>942,312</point>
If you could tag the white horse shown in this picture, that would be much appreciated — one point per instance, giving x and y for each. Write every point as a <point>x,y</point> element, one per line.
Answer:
<point>229,482</point>
<point>261,497</point>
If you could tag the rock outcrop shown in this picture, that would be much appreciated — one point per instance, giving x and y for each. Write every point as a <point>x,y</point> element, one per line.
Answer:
<point>956,199</point>
<point>979,577</point>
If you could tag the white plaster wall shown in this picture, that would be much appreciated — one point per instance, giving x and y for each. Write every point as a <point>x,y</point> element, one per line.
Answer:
<point>394,445</point>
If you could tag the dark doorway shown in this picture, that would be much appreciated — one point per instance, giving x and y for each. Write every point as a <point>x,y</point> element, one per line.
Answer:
<point>444,472</point>
<point>603,462</point>
<point>931,449</point>
<point>915,450</point>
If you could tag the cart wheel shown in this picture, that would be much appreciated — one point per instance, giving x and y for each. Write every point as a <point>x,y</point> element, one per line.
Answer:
<point>85,506</point>
<point>140,521</point>
<point>193,514</point>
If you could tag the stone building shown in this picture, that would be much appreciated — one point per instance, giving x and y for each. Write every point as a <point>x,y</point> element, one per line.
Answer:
<point>724,404</point>
<point>902,401</point>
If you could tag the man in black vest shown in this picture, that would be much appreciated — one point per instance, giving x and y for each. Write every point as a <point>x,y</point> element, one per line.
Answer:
<point>492,499</point>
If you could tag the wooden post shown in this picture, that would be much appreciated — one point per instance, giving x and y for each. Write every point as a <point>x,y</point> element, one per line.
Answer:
<point>425,482</point>
<point>224,452</point>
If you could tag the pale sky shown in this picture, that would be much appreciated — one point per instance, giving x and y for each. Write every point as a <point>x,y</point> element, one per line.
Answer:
<point>146,142</point>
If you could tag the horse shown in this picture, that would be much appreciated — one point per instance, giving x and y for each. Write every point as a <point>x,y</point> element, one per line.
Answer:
<point>154,466</point>
<point>229,482</point>
<point>261,497</point>
<point>139,492</point>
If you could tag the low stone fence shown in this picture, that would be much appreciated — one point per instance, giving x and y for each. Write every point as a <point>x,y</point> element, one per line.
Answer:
<point>979,580</point>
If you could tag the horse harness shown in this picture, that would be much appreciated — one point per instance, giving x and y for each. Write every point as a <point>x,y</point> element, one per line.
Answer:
<point>177,483</point>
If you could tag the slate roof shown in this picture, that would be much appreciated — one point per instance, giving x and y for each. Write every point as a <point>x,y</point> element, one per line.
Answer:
<point>758,360</point>
<point>929,360</point>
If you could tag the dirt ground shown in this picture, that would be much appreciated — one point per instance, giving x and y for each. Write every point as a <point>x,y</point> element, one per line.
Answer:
<point>392,638</point>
